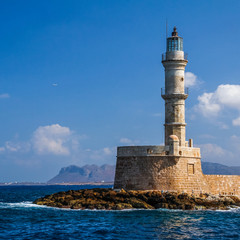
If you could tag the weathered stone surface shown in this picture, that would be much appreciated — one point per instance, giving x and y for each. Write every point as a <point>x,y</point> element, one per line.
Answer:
<point>155,168</point>
<point>108,199</point>
<point>155,172</point>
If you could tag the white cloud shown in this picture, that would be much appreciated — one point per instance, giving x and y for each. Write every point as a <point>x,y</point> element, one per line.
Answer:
<point>235,141</point>
<point>235,149</point>
<point>58,141</point>
<point>2,149</point>
<point>229,95</point>
<point>214,153</point>
<point>125,140</point>
<point>208,106</point>
<point>100,156</point>
<point>52,139</point>
<point>210,149</point>
<point>4,95</point>
<point>55,143</point>
<point>156,114</point>
<point>207,136</point>
<point>220,124</point>
<point>227,153</point>
<point>128,141</point>
<point>190,79</point>
<point>14,146</point>
<point>236,122</point>
<point>107,151</point>
<point>225,96</point>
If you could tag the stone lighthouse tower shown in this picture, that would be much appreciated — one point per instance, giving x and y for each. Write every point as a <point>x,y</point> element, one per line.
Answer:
<point>175,166</point>
<point>174,93</point>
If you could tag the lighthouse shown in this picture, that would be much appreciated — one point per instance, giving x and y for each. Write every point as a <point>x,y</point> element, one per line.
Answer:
<point>176,165</point>
<point>174,93</point>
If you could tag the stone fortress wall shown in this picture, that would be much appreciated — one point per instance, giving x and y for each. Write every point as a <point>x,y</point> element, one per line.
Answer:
<point>223,184</point>
<point>154,168</point>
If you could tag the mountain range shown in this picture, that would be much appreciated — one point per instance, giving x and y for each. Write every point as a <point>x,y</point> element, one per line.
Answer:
<point>216,168</point>
<point>105,173</point>
<point>87,173</point>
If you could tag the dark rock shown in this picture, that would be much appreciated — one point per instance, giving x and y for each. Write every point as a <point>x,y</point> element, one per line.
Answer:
<point>102,198</point>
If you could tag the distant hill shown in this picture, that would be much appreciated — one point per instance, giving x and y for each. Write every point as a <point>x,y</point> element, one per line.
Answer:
<point>87,173</point>
<point>94,173</point>
<point>216,168</point>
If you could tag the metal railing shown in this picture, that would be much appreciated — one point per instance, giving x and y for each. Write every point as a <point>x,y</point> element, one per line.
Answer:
<point>163,91</point>
<point>164,57</point>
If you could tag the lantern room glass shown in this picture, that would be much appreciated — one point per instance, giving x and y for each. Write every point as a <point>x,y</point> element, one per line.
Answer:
<point>174,44</point>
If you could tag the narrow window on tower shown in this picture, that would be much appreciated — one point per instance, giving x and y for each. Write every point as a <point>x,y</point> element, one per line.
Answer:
<point>190,169</point>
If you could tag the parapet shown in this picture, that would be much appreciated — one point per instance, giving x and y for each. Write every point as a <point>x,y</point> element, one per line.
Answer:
<point>150,150</point>
<point>157,150</point>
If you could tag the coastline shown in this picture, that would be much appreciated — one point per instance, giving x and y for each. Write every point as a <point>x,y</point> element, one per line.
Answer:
<point>58,184</point>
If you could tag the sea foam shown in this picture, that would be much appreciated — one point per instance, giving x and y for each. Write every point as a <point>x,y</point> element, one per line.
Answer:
<point>25,204</point>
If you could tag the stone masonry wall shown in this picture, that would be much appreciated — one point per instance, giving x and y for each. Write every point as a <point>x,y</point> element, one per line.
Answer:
<point>150,168</point>
<point>145,173</point>
<point>167,173</point>
<point>223,184</point>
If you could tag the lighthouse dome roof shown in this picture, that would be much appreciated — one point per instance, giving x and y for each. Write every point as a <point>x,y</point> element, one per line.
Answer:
<point>173,138</point>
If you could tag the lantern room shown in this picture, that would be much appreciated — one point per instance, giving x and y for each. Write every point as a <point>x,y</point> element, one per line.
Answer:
<point>174,43</point>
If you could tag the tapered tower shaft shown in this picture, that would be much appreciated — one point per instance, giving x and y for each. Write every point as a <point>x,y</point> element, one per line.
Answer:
<point>174,93</point>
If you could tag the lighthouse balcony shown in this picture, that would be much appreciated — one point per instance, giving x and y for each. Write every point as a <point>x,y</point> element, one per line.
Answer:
<point>177,94</point>
<point>174,56</point>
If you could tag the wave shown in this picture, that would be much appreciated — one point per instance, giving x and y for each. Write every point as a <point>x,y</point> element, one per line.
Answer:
<point>24,204</point>
<point>28,204</point>
<point>231,209</point>
<point>234,209</point>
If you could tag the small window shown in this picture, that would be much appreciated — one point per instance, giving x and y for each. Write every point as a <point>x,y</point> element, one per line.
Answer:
<point>190,169</point>
<point>149,151</point>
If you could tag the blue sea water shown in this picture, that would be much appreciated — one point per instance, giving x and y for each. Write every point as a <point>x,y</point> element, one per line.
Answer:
<point>20,219</point>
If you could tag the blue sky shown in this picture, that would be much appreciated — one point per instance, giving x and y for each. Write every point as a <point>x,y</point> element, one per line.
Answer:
<point>78,78</point>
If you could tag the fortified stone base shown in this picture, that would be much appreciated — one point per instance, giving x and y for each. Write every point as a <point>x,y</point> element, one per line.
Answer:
<point>153,168</point>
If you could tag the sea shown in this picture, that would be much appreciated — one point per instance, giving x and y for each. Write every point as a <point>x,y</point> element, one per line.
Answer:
<point>21,219</point>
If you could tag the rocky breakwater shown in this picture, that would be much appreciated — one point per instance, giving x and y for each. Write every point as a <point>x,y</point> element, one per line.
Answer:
<point>102,198</point>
